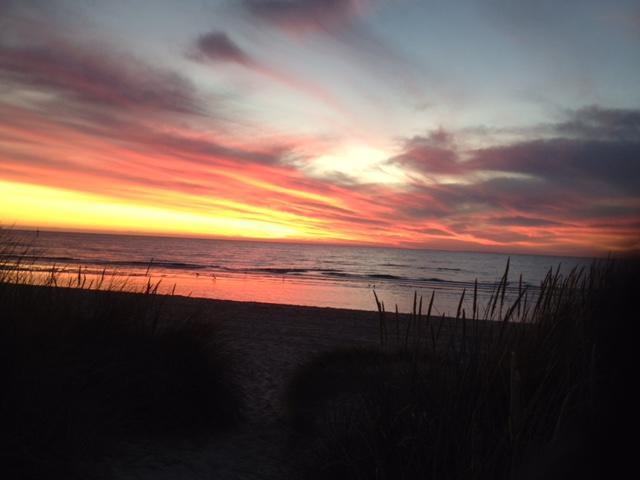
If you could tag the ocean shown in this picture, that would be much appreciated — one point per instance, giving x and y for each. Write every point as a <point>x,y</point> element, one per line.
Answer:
<point>296,274</point>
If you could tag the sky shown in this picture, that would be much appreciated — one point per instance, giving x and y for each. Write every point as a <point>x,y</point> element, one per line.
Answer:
<point>490,125</point>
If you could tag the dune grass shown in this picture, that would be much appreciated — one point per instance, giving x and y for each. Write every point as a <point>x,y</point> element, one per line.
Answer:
<point>84,372</point>
<point>524,390</point>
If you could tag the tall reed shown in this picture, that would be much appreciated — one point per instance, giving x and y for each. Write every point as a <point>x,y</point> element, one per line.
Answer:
<point>498,393</point>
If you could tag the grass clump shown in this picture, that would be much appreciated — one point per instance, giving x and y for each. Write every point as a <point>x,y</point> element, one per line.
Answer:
<point>524,390</point>
<point>84,372</point>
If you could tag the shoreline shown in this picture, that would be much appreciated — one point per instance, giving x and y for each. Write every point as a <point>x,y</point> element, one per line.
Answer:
<point>310,276</point>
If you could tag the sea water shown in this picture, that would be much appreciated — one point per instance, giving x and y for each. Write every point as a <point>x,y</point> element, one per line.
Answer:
<point>287,273</point>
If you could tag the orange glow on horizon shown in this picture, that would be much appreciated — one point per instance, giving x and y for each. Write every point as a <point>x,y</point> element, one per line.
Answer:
<point>52,207</point>
<point>35,206</point>
<point>59,176</point>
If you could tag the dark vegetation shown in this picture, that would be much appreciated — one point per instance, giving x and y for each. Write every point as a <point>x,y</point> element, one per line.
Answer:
<point>83,373</point>
<point>533,389</point>
<point>527,388</point>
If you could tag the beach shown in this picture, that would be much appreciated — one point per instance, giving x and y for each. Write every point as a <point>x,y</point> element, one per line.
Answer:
<point>268,343</point>
<point>75,348</point>
<point>270,340</point>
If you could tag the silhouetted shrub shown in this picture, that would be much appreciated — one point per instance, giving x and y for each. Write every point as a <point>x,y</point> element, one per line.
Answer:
<point>534,399</point>
<point>83,371</point>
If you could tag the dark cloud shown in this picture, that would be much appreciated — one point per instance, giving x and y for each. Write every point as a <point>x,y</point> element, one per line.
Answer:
<point>590,209</point>
<point>217,46</point>
<point>498,195</point>
<point>431,154</point>
<point>607,166</point>
<point>566,176</point>
<point>97,77</point>
<point>593,148</point>
<point>440,138</point>
<point>594,153</point>
<point>596,123</point>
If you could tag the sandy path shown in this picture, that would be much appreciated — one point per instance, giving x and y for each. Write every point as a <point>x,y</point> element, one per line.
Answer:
<point>269,342</point>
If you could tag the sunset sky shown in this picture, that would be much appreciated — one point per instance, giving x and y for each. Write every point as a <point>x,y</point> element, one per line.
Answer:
<point>488,125</point>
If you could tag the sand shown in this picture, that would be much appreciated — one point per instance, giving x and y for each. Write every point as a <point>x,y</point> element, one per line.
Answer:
<point>272,340</point>
<point>269,341</point>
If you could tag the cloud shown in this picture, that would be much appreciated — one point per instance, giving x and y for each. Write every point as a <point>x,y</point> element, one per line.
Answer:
<point>521,221</point>
<point>605,166</point>
<point>299,16</point>
<point>596,123</point>
<point>180,143</point>
<point>535,191</point>
<point>592,149</point>
<point>217,46</point>
<point>431,154</point>
<point>553,190</point>
<point>344,23</point>
<point>97,77</point>
<point>179,169</point>
<point>436,231</point>
<point>140,165</point>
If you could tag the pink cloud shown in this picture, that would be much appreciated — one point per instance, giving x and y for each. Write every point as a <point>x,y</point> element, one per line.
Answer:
<point>97,77</point>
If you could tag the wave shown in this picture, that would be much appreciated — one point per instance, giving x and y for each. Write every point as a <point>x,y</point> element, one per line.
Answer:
<point>103,262</point>
<point>336,273</point>
<point>161,264</point>
<point>385,276</point>
<point>283,271</point>
<point>311,273</point>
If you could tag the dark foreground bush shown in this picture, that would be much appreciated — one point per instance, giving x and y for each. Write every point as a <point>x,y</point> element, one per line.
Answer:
<point>389,414</point>
<point>341,382</point>
<point>83,371</point>
<point>540,399</point>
